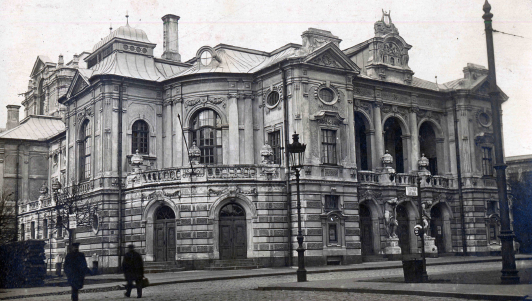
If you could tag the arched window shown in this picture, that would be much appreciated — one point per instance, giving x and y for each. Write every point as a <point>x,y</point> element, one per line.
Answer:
<point>139,139</point>
<point>164,212</point>
<point>206,131</point>
<point>85,151</point>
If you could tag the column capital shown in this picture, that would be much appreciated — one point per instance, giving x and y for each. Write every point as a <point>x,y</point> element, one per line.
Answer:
<point>232,95</point>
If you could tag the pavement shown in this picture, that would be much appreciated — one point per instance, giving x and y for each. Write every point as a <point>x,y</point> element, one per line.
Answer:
<point>110,282</point>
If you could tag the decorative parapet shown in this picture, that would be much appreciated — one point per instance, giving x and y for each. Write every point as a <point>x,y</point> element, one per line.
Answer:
<point>205,173</point>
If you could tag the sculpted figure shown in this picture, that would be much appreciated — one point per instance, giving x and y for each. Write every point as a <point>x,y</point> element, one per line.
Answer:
<point>390,218</point>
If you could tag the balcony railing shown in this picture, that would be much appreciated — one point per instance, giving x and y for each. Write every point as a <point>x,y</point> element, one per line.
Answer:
<point>206,173</point>
<point>405,179</point>
<point>366,176</point>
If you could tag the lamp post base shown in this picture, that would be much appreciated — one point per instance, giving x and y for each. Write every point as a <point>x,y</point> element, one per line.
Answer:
<point>301,272</point>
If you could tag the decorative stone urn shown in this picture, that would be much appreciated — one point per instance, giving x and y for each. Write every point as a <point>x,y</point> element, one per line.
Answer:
<point>424,173</point>
<point>194,154</point>
<point>136,162</point>
<point>266,153</point>
<point>388,173</point>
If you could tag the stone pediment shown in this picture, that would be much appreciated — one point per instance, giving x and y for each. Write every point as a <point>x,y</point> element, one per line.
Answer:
<point>328,118</point>
<point>332,57</point>
<point>40,63</point>
<point>78,84</point>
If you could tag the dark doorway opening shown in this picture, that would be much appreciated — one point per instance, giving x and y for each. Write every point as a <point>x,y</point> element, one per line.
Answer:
<point>403,229</point>
<point>233,235</point>
<point>427,146</point>
<point>165,239</point>
<point>393,142</point>
<point>361,142</point>
<point>436,228</point>
<point>366,230</point>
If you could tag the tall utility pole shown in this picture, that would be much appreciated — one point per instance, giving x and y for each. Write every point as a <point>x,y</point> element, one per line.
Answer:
<point>509,271</point>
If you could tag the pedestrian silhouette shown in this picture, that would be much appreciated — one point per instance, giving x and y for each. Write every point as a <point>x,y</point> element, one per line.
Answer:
<point>133,270</point>
<point>75,270</point>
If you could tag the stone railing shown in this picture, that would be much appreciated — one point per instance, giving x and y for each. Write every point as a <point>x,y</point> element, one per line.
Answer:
<point>405,179</point>
<point>441,181</point>
<point>205,173</point>
<point>366,176</point>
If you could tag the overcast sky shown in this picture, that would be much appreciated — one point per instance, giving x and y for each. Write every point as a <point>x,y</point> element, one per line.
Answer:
<point>445,36</point>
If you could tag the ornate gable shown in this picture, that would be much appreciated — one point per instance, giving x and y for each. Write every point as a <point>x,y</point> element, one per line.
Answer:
<point>332,57</point>
<point>78,84</point>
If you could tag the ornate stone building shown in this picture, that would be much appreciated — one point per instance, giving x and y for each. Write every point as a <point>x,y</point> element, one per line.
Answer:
<point>187,159</point>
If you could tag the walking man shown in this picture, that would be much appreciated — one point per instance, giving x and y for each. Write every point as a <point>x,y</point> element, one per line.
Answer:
<point>133,270</point>
<point>75,269</point>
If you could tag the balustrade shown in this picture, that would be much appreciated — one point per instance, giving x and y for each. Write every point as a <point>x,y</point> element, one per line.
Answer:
<point>366,176</point>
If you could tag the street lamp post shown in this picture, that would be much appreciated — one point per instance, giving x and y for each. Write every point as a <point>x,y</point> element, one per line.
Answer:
<point>297,155</point>
<point>509,271</point>
<point>424,275</point>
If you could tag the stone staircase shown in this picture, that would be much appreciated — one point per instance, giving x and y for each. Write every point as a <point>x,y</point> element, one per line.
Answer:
<point>162,267</point>
<point>234,264</point>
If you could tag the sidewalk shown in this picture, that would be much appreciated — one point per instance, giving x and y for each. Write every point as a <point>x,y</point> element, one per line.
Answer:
<point>110,282</point>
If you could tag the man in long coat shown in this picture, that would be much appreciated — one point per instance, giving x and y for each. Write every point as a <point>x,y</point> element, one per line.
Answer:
<point>133,270</point>
<point>75,269</point>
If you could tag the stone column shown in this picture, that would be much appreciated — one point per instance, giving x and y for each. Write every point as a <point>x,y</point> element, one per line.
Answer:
<point>167,137</point>
<point>234,143</point>
<point>248,130</point>
<point>351,123</point>
<point>414,152</point>
<point>379,139</point>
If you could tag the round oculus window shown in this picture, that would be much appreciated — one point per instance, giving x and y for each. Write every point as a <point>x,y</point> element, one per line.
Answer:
<point>206,58</point>
<point>326,95</point>
<point>273,99</point>
<point>484,119</point>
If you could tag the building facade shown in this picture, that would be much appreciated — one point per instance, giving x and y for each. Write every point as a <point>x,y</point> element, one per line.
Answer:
<point>187,160</point>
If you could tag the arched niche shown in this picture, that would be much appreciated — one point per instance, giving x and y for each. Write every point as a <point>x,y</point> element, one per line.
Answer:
<point>396,136</point>
<point>376,215</point>
<point>431,144</point>
<point>363,138</point>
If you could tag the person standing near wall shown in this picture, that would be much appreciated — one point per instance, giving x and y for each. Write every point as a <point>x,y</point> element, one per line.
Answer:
<point>133,268</point>
<point>75,270</point>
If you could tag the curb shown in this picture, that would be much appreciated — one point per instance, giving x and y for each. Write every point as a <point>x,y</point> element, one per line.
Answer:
<point>114,286</point>
<point>401,292</point>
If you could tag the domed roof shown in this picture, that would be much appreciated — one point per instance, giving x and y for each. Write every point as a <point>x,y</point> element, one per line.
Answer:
<point>125,32</point>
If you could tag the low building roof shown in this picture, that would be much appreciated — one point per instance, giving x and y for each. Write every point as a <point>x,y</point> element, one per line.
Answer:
<point>39,128</point>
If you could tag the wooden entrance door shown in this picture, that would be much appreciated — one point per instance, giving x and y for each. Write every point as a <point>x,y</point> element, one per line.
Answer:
<point>436,228</point>
<point>366,230</point>
<point>403,229</point>
<point>165,239</point>
<point>233,234</point>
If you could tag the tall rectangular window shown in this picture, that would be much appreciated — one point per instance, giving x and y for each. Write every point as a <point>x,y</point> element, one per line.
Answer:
<point>22,232</point>
<point>85,151</point>
<point>328,147</point>
<point>32,230</point>
<point>45,229</point>
<point>333,233</point>
<point>59,226</point>
<point>274,140</point>
<point>487,163</point>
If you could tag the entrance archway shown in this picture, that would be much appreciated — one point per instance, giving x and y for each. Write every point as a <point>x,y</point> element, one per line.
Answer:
<point>366,231</point>
<point>233,234</point>
<point>403,229</point>
<point>164,242</point>
<point>362,142</point>
<point>428,146</point>
<point>440,227</point>
<point>393,142</point>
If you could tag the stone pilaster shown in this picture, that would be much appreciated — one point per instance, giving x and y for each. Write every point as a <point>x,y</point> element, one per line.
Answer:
<point>234,140</point>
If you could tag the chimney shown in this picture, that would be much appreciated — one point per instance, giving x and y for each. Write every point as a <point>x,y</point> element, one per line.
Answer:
<point>75,61</point>
<point>171,42</point>
<point>12,116</point>
<point>60,62</point>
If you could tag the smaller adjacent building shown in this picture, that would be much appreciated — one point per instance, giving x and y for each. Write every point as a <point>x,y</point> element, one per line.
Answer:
<point>519,175</point>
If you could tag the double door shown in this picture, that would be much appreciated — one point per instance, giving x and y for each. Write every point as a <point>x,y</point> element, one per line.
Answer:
<point>233,237</point>
<point>165,240</point>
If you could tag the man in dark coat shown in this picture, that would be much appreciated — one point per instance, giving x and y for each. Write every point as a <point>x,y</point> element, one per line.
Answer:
<point>133,270</point>
<point>75,269</point>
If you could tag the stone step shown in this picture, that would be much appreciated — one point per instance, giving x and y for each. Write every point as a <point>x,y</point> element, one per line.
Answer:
<point>234,264</point>
<point>162,267</point>
<point>374,258</point>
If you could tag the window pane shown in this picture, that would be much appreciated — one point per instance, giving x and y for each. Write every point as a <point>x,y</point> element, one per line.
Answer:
<point>333,237</point>
<point>207,134</point>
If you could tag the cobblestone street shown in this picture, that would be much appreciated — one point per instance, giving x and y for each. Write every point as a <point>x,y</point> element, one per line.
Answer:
<point>245,289</point>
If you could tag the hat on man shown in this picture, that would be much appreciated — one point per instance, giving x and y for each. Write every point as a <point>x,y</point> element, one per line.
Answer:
<point>76,244</point>
<point>131,246</point>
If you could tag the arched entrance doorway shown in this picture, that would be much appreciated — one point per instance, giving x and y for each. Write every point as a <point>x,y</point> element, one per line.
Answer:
<point>366,231</point>
<point>436,227</point>
<point>164,234</point>
<point>403,229</point>
<point>428,146</point>
<point>232,231</point>
<point>393,142</point>
<point>362,142</point>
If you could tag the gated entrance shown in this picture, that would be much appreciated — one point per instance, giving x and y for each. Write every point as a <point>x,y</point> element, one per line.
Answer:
<point>165,240</point>
<point>233,232</point>
<point>366,235</point>
<point>403,229</point>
